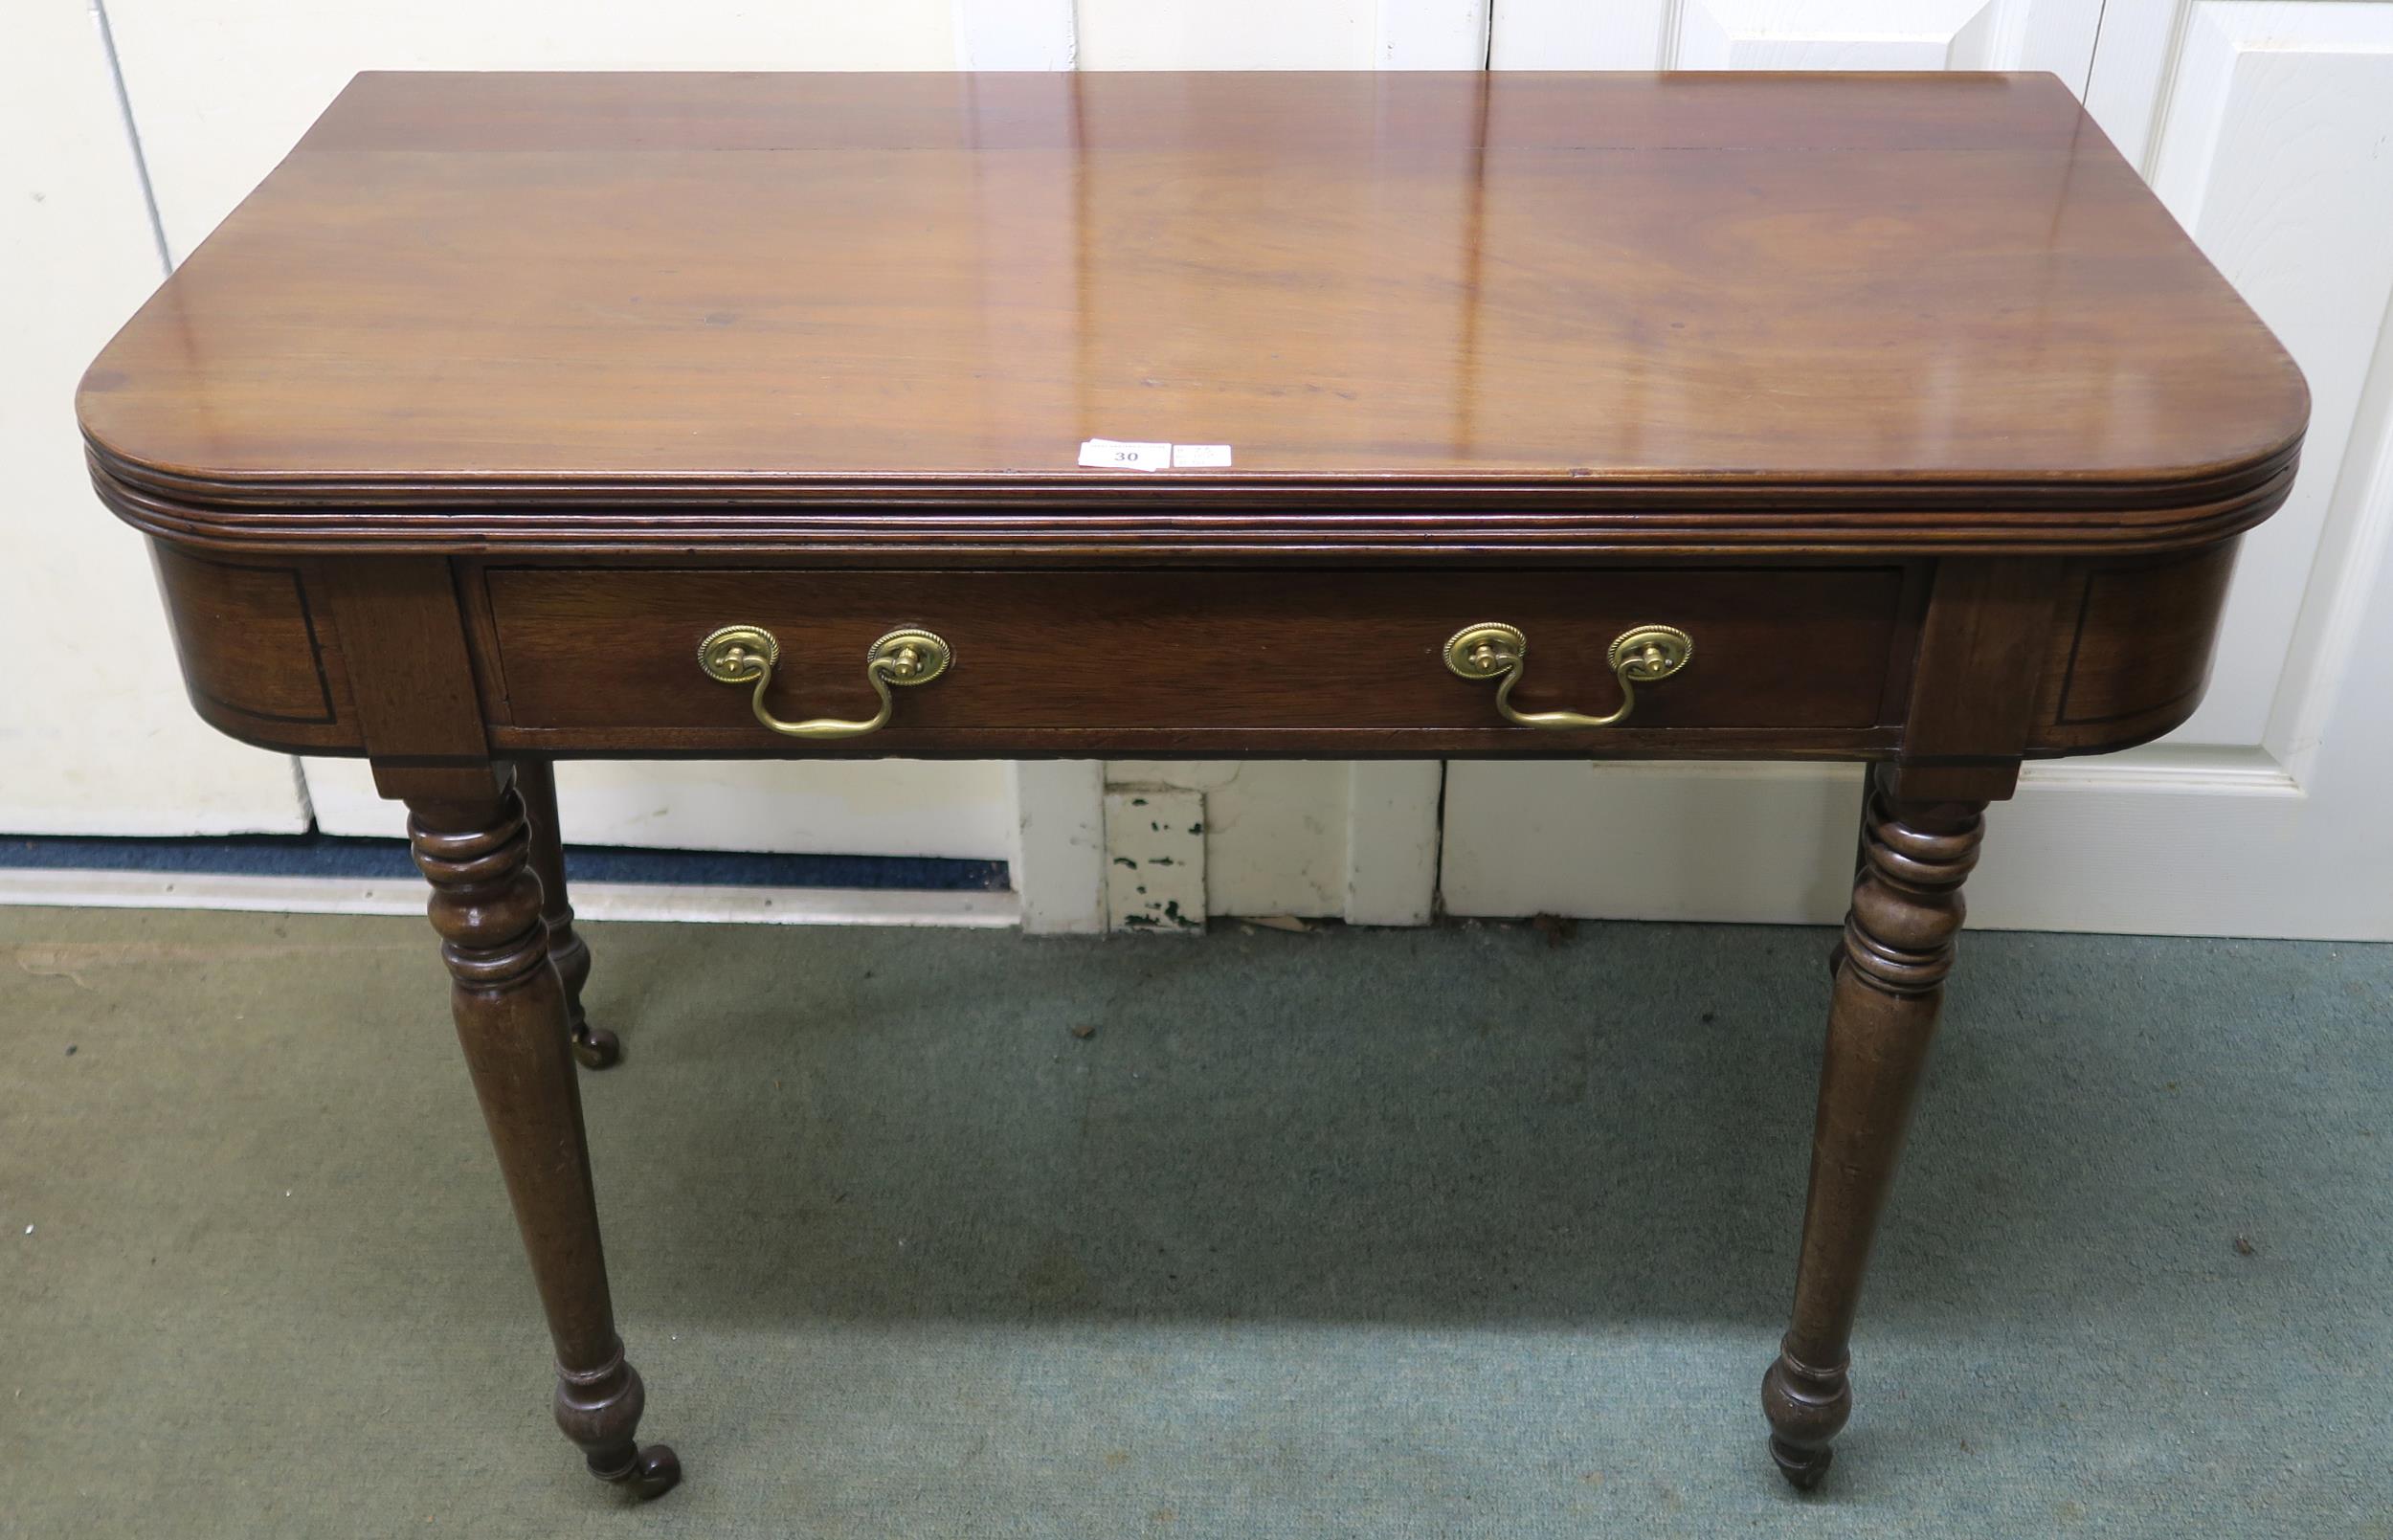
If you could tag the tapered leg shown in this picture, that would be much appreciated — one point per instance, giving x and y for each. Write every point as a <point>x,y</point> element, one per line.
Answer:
<point>536,780</point>
<point>1898,947</point>
<point>510,1011</point>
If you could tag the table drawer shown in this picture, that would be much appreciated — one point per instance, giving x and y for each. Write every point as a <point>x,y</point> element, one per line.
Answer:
<point>1201,651</point>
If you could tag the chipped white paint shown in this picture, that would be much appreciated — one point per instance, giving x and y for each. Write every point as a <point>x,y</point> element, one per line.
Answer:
<point>1322,838</point>
<point>1155,860</point>
<point>1274,830</point>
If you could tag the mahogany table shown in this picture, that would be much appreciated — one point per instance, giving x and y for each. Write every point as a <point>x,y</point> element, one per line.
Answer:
<point>1884,418</point>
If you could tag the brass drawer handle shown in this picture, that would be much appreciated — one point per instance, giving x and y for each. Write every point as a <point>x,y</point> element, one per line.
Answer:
<point>1640,655</point>
<point>738,653</point>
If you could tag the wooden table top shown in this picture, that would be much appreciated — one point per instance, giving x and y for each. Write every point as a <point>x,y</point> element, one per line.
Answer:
<point>1802,310</point>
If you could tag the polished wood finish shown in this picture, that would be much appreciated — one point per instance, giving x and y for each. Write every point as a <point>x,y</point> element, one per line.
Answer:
<point>2118,649</point>
<point>265,606</point>
<point>1889,984</point>
<point>876,315</point>
<point>536,782</point>
<point>2140,641</point>
<point>411,673</point>
<point>261,660</point>
<point>1073,662</point>
<point>510,1012</point>
<point>1900,393</point>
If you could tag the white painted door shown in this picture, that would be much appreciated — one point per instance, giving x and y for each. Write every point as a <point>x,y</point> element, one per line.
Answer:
<point>1796,34</point>
<point>2267,127</point>
<point>94,735</point>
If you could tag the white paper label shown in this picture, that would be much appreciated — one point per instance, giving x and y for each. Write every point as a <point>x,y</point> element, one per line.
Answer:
<point>1116,454</point>
<point>1124,455</point>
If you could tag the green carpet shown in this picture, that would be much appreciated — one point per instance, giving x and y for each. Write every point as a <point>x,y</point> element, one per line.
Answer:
<point>1385,1233</point>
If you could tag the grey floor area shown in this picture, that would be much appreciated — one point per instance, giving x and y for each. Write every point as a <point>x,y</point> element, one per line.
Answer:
<point>1386,1234</point>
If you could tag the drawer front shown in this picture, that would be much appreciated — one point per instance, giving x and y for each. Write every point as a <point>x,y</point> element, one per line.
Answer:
<point>1153,655</point>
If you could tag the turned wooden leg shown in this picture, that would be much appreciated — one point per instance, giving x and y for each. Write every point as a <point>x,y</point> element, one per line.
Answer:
<point>1897,947</point>
<point>510,1011</point>
<point>1861,854</point>
<point>536,780</point>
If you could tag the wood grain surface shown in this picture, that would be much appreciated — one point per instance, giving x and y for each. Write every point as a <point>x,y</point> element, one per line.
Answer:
<point>1502,312</point>
<point>1190,657</point>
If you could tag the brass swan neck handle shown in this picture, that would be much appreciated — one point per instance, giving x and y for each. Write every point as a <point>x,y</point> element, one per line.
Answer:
<point>737,655</point>
<point>1642,654</point>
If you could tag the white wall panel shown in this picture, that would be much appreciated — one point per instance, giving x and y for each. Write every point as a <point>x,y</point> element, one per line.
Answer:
<point>1433,34</point>
<point>1797,35</point>
<point>1747,843</point>
<point>1582,35</point>
<point>221,90</point>
<point>1789,34</point>
<point>1228,34</point>
<point>1059,855</point>
<point>1393,807</point>
<point>1016,34</point>
<point>1876,35</point>
<point>96,736</point>
<point>879,807</point>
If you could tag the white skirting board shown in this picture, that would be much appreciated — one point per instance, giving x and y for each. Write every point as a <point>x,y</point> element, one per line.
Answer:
<point>592,901</point>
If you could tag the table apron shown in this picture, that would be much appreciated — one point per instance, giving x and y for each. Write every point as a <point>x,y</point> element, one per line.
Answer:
<point>1954,658</point>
